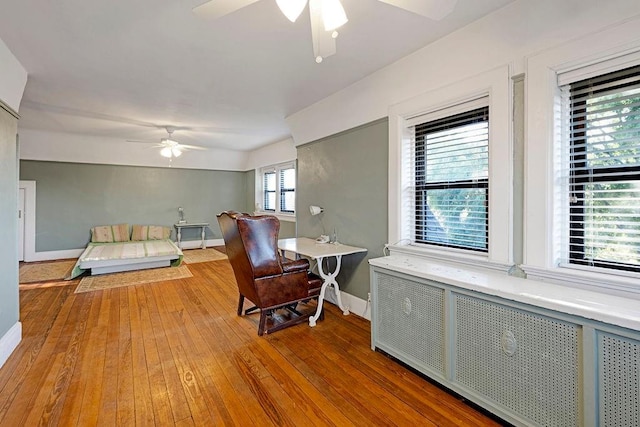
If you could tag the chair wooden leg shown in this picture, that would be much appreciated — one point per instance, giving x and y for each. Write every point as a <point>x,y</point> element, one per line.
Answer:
<point>263,322</point>
<point>240,303</point>
<point>251,309</point>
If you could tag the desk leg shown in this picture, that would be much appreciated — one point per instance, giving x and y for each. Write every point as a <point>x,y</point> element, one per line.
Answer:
<point>179,237</point>
<point>204,245</point>
<point>329,279</point>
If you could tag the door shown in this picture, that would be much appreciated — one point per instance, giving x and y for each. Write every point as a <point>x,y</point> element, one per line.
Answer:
<point>21,224</point>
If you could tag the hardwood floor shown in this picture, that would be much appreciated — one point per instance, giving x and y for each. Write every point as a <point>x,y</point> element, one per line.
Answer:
<point>175,353</point>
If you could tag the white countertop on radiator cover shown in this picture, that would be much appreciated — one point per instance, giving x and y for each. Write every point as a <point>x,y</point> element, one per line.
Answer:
<point>611,309</point>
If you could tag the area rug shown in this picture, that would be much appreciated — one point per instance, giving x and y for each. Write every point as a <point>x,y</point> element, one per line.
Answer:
<point>193,256</point>
<point>130,278</point>
<point>45,271</point>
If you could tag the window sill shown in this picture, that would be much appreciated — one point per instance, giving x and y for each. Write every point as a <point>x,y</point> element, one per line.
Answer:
<point>599,306</point>
<point>280,216</point>
<point>623,284</point>
<point>448,255</point>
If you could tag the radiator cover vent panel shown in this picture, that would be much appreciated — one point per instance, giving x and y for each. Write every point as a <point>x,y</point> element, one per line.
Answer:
<point>526,362</point>
<point>618,379</point>
<point>410,321</point>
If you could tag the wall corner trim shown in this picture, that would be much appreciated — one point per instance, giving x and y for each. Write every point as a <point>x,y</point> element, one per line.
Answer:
<point>9,110</point>
<point>10,341</point>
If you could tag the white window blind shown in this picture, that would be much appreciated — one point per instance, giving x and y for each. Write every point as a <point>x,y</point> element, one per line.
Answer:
<point>269,190</point>
<point>287,190</point>
<point>600,171</point>
<point>451,179</point>
<point>278,192</point>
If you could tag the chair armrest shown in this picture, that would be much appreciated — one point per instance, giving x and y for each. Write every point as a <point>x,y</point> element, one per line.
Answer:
<point>297,265</point>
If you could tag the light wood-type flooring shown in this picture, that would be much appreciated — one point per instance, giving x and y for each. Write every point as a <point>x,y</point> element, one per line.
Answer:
<point>175,353</point>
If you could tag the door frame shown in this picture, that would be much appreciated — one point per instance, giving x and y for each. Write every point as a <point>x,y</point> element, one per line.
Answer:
<point>29,242</point>
<point>21,195</point>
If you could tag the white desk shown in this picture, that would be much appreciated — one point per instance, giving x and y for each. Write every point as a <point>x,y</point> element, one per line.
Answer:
<point>309,248</point>
<point>180,225</point>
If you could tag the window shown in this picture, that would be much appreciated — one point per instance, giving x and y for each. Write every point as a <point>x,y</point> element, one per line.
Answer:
<point>288,190</point>
<point>577,230</point>
<point>457,206</point>
<point>452,180</point>
<point>269,189</point>
<point>279,188</point>
<point>602,170</point>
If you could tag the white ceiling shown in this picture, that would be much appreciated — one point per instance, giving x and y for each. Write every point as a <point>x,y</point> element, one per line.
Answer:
<point>122,69</point>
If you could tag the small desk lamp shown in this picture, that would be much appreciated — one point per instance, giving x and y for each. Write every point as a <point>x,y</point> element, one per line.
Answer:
<point>315,210</point>
<point>324,238</point>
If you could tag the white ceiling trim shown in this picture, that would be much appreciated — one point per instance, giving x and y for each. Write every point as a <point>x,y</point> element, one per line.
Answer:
<point>65,147</point>
<point>13,78</point>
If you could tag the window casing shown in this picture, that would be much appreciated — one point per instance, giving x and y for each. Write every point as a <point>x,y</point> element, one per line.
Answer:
<point>546,175</point>
<point>278,193</point>
<point>487,89</point>
<point>601,171</point>
<point>451,163</point>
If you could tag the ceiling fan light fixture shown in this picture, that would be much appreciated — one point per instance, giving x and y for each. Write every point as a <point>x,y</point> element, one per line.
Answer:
<point>176,152</point>
<point>166,152</point>
<point>333,14</point>
<point>291,8</point>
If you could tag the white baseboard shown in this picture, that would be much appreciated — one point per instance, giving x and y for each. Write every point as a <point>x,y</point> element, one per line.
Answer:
<point>195,244</point>
<point>356,305</point>
<point>75,253</point>
<point>53,255</point>
<point>10,341</point>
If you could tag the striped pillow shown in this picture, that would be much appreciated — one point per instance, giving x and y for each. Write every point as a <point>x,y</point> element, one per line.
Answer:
<point>110,233</point>
<point>150,232</point>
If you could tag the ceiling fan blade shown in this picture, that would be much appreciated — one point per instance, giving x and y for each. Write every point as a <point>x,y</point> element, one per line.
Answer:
<point>432,9</point>
<point>215,9</point>
<point>323,43</point>
<point>191,147</point>
<point>145,141</point>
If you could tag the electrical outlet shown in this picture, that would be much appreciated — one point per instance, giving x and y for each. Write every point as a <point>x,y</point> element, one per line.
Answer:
<point>369,297</point>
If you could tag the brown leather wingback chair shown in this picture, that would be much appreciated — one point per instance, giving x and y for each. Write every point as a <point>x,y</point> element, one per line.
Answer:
<point>263,276</point>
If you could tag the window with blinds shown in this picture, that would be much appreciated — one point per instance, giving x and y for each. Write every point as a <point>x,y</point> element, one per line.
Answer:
<point>451,173</point>
<point>279,188</point>
<point>602,170</point>
<point>288,190</point>
<point>269,191</point>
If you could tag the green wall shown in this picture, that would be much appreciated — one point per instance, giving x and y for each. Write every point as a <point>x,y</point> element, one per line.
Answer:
<point>9,305</point>
<point>73,197</point>
<point>287,229</point>
<point>250,190</point>
<point>347,175</point>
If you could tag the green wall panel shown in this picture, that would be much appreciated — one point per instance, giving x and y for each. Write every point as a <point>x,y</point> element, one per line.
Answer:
<point>9,219</point>
<point>347,175</point>
<point>287,229</point>
<point>73,197</point>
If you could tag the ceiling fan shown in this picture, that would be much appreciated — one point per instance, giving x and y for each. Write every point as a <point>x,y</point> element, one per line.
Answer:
<point>169,147</point>
<point>326,16</point>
